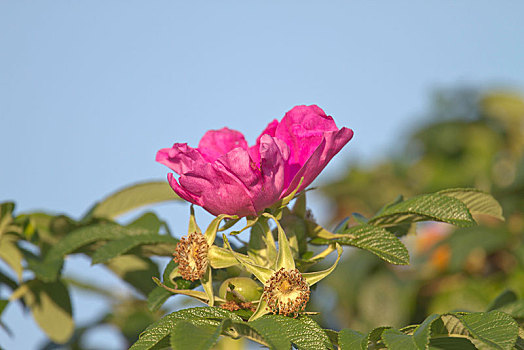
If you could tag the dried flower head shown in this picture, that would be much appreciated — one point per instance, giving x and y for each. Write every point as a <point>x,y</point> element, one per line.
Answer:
<point>232,305</point>
<point>191,256</point>
<point>286,292</point>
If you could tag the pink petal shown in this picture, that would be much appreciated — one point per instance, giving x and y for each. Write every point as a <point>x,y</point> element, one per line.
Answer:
<point>218,188</point>
<point>254,151</point>
<point>331,144</point>
<point>303,128</point>
<point>182,192</point>
<point>274,156</point>
<point>180,158</point>
<point>216,143</point>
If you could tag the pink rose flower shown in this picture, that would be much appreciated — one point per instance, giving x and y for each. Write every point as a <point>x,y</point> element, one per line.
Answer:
<point>225,176</point>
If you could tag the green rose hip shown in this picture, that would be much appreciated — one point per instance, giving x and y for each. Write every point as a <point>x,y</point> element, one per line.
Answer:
<point>241,289</point>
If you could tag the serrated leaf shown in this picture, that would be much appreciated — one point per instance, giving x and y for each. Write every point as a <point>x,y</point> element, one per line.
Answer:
<point>349,339</point>
<point>133,197</point>
<point>123,245</point>
<point>396,340</point>
<point>450,343</point>
<point>157,333</point>
<point>187,335</point>
<point>428,207</point>
<point>281,332</point>
<point>374,336</point>
<point>378,241</point>
<point>478,202</point>
<point>51,308</point>
<point>515,309</point>
<point>494,329</point>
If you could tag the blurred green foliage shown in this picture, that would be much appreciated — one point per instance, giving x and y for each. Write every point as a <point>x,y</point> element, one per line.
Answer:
<point>471,139</point>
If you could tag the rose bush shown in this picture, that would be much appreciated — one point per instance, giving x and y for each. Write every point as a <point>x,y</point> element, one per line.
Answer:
<point>226,176</point>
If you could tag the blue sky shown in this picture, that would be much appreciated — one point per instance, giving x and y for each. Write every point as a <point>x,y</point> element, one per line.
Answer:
<point>89,91</point>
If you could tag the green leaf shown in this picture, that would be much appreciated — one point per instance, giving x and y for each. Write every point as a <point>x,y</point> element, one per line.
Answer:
<point>349,339</point>
<point>396,340</point>
<point>50,267</point>
<point>417,339</point>
<point>449,343</point>
<point>187,335</point>
<point>428,207</point>
<point>148,221</point>
<point>3,304</point>
<point>6,215</point>
<point>494,329</point>
<point>133,197</point>
<point>515,309</point>
<point>135,270</point>
<point>156,335</point>
<point>281,332</point>
<point>374,336</point>
<point>378,241</point>
<point>123,245</point>
<point>504,298</point>
<point>478,202</point>
<point>51,308</point>
<point>157,298</point>
<point>10,253</point>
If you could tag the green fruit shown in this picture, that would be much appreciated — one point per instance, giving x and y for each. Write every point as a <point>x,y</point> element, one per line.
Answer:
<point>240,289</point>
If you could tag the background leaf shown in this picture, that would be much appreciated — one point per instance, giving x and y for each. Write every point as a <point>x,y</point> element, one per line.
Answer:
<point>133,197</point>
<point>123,245</point>
<point>51,308</point>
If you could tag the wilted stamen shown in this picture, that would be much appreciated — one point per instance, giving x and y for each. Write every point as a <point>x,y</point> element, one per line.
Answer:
<point>286,292</point>
<point>191,256</point>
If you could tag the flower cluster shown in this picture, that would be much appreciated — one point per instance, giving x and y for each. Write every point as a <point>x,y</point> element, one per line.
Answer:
<point>232,180</point>
<point>226,176</point>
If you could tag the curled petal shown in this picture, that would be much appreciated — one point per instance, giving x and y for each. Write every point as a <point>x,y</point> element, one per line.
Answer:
<point>254,151</point>
<point>331,144</point>
<point>180,158</point>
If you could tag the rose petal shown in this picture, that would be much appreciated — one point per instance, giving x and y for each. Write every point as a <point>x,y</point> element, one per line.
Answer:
<point>180,158</point>
<point>254,151</point>
<point>216,143</point>
<point>303,129</point>
<point>218,190</point>
<point>182,192</point>
<point>274,156</point>
<point>331,144</point>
